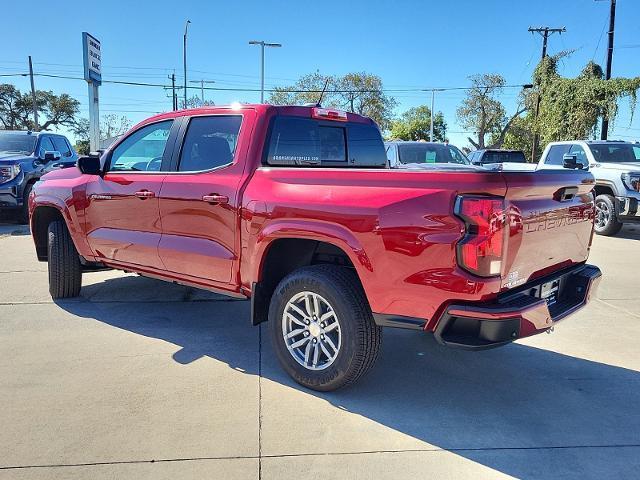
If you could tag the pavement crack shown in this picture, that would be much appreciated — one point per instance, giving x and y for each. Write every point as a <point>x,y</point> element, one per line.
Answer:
<point>260,456</point>
<point>260,401</point>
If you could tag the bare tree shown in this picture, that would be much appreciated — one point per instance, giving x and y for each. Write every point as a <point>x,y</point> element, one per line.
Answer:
<point>483,113</point>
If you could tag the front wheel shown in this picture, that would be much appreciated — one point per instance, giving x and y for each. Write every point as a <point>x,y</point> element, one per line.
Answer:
<point>65,273</point>
<point>24,211</point>
<point>606,221</point>
<point>322,328</point>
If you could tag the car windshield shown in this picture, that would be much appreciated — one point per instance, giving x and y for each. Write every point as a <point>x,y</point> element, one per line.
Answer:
<point>430,153</point>
<point>17,143</point>
<point>503,157</point>
<point>616,152</point>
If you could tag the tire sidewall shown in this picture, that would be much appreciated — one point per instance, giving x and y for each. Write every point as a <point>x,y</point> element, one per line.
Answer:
<point>613,226</point>
<point>24,211</point>
<point>336,374</point>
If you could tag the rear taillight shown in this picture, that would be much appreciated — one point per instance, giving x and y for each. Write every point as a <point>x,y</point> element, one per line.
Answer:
<point>482,249</point>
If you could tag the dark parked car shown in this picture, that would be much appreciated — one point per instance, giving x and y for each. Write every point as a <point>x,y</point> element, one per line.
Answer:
<point>24,158</point>
<point>485,156</point>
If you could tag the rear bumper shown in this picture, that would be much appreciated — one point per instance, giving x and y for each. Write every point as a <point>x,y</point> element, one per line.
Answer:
<point>517,314</point>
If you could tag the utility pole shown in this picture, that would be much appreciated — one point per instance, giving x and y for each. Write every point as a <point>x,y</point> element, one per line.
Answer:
<point>263,44</point>
<point>544,32</point>
<point>174,98</point>
<point>202,82</point>
<point>433,95</point>
<point>612,23</point>
<point>184,60</point>
<point>33,97</point>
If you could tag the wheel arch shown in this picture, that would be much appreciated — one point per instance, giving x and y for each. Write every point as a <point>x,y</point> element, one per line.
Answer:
<point>280,254</point>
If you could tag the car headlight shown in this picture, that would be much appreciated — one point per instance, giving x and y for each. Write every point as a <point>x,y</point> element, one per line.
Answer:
<point>631,181</point>
<point>9,172</point>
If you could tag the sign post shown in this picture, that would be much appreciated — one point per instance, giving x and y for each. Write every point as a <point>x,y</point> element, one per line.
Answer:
<point>92,59</point>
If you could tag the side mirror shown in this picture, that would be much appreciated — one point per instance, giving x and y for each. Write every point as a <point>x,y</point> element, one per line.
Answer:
<point>51,155</point>
<point>569,160</point>
<point>89,165</point>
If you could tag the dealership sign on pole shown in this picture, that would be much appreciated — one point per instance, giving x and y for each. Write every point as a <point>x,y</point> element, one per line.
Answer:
<point>92,59</point>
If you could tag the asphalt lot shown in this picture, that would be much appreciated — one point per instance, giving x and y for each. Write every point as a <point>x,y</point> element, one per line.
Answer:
<point>143,379</point>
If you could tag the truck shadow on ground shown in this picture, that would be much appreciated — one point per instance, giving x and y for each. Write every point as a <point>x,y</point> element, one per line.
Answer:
<point>631,232</point>
<point>523,411</point>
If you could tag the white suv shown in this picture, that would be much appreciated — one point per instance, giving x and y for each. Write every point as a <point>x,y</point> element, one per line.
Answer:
<point>616,167</point>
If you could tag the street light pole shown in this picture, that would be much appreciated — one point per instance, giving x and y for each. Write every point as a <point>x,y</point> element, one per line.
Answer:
<point>263,44</point>
<point>184,60</point>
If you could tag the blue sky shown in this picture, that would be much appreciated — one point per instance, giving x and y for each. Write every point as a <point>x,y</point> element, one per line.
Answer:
<point>410,44</point>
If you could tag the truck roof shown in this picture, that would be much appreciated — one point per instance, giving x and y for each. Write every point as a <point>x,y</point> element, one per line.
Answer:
<point>260,108</point>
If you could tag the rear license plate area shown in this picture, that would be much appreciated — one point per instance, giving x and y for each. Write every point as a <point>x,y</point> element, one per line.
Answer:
<point>549,292</point>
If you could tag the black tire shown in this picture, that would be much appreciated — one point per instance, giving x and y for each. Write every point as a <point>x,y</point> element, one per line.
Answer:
<point>360,336</point>
<point>65,273</point>
<point>24,211</point>
<point>606,222</point>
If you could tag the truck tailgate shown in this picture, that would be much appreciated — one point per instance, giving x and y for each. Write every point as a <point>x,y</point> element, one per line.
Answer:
<point>550,216</point>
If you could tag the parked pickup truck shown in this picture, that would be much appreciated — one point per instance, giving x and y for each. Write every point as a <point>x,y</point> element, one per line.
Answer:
<point>294,208</point>
<point>24,157</point>
<point>616,168</point>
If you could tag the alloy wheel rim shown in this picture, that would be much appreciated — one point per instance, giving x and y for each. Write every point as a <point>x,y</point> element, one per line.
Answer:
<point>603,214</point>
<point>311,330</point>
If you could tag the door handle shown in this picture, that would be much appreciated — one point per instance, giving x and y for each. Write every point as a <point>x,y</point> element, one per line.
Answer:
<point>142,194</point>
<point>215,198</point>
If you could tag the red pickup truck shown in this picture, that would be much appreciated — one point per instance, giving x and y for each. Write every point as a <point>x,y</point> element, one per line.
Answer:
<point>294,208</point>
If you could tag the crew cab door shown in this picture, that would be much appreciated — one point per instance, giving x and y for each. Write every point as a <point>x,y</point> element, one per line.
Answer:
<point>122,219</point>
<point>199,200</point>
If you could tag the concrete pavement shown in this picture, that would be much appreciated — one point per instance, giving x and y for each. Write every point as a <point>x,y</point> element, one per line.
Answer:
<point>144,379</point>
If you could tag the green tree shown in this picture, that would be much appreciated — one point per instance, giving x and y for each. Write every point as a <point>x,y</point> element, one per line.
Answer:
<point>195,102</point>
<point>519,136</point>
<point>482,113</point>
<point>111,126</point>
<point>360,93</point>
<point>571,107</point>
<point>16,109</point>
<point>415,124</point>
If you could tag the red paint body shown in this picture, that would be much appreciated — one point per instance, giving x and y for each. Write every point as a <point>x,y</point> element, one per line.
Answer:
<point>398,227</point>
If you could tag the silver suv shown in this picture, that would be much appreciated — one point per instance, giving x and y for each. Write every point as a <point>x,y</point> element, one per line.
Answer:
<point>403,154</point>
<point>616,167</point>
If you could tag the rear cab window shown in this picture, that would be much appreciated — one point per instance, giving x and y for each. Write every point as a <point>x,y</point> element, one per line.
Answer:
<point>210,142</point>
<point>504,157</point>
<point>300,141</point>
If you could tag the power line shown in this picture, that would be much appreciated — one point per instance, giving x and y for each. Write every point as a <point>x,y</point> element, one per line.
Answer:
<point>277,89</point>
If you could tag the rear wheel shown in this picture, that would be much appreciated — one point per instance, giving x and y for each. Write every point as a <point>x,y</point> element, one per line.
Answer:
<point>606,221</point>
<point>322,328</point>
<point>65,274</point>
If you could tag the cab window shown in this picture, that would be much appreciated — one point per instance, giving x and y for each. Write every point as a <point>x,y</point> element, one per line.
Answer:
<point>556,152</point>
<point>581,156</point>
<point>210,142</point>
<point>142,150</point>
<point>46,145</point>
<point>61,146</point>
